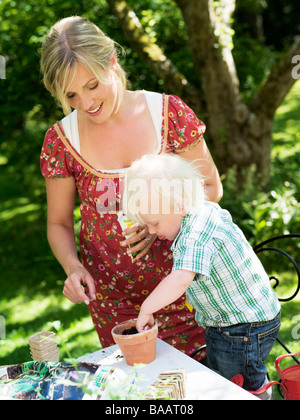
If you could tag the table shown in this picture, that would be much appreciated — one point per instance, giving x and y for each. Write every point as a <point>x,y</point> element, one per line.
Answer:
<point>201,384</point>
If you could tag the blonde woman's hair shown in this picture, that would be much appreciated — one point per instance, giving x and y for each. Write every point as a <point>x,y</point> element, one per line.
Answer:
<point>162,184</point>
<point>75,40</point>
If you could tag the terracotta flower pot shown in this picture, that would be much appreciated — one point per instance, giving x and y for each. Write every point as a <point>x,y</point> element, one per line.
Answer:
<point>136,348</point>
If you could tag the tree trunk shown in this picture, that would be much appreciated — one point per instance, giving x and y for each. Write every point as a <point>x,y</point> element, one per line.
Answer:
<point>239,135</point>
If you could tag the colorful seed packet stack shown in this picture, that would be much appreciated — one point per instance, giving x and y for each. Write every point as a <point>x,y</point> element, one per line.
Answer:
<point>43,347</point>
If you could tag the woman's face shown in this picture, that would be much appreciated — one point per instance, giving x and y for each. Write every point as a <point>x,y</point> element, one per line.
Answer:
<point>93,100</point>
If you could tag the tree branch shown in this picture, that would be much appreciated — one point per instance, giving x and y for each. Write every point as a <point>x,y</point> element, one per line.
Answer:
<point>211,44</point>
<point>280,80</point>
<point>153,55</point>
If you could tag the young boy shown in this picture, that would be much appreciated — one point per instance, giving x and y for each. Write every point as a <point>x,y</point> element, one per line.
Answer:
<point>214,265</point>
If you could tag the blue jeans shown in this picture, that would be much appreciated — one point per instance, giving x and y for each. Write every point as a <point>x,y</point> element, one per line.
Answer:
<point>242,349</point>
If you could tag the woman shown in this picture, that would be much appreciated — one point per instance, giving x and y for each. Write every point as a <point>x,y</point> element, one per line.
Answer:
<point>88,151</point>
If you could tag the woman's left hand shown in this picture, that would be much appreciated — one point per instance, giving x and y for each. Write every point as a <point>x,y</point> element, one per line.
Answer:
<point>141,237</point>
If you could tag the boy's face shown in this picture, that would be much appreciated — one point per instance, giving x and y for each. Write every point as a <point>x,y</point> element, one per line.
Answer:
<point>165,226</point>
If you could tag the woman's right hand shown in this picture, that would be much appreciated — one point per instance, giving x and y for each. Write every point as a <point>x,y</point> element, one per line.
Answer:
<point>73,289</point>
<point>61,193</point>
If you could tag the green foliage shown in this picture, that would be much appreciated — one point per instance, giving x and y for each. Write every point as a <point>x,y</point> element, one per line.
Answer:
<point>263,29</point>
<point>272,214</point>
<point>280,22</point>
<point>276,211</point>
<point>286,143</point>
<point>164,24</point>
<point>249,37</point>
<point>252,68</point>
<point>27,109</point>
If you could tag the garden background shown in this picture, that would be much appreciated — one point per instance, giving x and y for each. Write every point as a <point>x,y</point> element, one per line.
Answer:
<point>261,31</point>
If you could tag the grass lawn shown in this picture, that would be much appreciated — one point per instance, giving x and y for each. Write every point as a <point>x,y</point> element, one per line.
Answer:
<point>31,280</point>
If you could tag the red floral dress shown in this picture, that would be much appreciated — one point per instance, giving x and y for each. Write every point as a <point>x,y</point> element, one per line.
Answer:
<point>122,286</point>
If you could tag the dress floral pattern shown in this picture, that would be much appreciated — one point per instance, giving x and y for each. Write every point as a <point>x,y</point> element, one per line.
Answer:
<point>122,285</point>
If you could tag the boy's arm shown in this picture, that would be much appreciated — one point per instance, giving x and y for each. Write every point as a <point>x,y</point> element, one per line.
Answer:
<point>169,289</point>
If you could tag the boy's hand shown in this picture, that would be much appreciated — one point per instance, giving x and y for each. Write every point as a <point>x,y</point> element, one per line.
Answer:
<point>144,322</point>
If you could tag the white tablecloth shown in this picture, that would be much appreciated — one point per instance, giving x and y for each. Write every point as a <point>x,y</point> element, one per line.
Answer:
<point>202,383</point>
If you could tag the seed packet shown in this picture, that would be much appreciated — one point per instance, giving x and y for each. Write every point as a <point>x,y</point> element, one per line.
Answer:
<point>169,385</point>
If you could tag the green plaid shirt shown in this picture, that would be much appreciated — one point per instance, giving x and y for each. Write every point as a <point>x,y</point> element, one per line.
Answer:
<point>230,286</point>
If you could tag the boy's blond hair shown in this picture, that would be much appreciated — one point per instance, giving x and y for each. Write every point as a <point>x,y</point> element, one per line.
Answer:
<point>161,184</point>
<point>76,40</point>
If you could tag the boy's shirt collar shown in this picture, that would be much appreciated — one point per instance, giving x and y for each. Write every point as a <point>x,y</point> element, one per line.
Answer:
<point>184,222</point>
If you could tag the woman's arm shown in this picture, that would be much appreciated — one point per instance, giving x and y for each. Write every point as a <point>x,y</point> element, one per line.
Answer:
<point>61,237</point>
<point>207,167</point>
<point>166,292</point>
